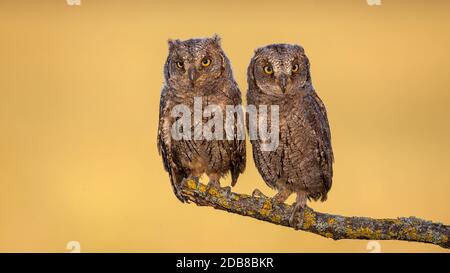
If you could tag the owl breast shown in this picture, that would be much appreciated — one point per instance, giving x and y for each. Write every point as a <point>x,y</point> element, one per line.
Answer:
<point>296,162</point>
<point>205,155</point>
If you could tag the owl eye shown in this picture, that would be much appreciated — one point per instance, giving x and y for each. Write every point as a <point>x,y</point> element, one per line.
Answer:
<point>268,70</point>
<point>206,62</point>
<point>180,64</point>
<point>295,68</point>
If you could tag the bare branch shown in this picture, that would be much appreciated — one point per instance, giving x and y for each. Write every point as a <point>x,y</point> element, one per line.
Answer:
<point>331,226</point>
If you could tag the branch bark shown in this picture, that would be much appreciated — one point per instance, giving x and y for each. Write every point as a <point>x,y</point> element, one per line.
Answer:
<point>327,225</point>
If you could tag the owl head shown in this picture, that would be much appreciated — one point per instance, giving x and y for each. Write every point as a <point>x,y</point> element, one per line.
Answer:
<point>279,69</point>
<point>196,63</point>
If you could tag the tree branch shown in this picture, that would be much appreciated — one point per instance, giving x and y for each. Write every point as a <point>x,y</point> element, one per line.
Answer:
<point>331,226</point>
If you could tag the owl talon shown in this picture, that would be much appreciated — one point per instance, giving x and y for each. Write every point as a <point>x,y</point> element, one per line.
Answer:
<point>296,208</point>
<point>178,193</point>
<point>227,189</point>
<point>196,178</point>
<point>212,184</point>
<point>258,193</point>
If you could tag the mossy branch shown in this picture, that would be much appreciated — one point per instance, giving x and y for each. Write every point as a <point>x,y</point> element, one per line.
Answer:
<point>331,226</point>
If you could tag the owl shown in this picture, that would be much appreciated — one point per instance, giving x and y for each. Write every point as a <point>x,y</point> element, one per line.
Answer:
<point>279,74</point>
<point>199,69</point>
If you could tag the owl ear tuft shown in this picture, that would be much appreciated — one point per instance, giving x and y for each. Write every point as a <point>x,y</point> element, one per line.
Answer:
<point>251,73</point>
<point>173,43</point>
<point>257,51</point>
<point>302,50</point>
<point>216,39</point>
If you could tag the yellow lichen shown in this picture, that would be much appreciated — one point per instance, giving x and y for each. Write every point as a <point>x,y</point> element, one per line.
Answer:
<point>309,219</point>
<point>213,192</point>
<point>328,235</point>
<point>363,232</point>
<point>192,184</point>
<point>225,204</point>
<point>267,205</point>
<point>378,234</point>
<point>331,221</point>
<point>264,212</point>
<point>276,218</point>
<point>411,232</point>
<point>202,188</point>
<point>266,208</point>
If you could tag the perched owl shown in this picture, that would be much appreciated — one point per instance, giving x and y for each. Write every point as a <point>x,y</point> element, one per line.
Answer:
<point>199,68</point>
<point>302,162</point>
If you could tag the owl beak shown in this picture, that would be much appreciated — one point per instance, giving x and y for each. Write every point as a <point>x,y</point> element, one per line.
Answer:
<point>283,80</point>
<point>192,74</point>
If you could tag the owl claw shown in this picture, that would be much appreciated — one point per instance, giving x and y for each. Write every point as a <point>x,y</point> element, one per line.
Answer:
<point>179,188</point>
<point>196,178</point>
<point>212,184</point>
<point>179,195</point>
<point>227,189</point>
<point>258,193</point>
<point>297,222</point>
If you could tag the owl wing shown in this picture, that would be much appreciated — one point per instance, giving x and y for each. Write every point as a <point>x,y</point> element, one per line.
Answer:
<point>238,150</point>
<point>318,121</point>
<point>267,162</point>
<point>164,145</point>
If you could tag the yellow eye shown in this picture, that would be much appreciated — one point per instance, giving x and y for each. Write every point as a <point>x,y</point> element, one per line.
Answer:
<point>295,68</point>
<point>180,64</point>
<point>206,62</point>
<point>268,70</point>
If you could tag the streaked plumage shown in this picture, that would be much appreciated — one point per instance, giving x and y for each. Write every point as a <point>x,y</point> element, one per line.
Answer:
<point>302,163</point>
<point>216,85</point>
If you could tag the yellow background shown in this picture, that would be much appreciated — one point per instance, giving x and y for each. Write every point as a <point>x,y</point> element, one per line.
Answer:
<point>79,95</point>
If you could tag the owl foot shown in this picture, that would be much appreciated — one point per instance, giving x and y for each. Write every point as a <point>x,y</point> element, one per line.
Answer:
<point>295,221</point>
<point>258,193</point>
<point>212,184</point>
<point>181,197</point>
<point>179,188</point>
<point>227,189</point>
<point>281,196</point>
<point>298,206</point>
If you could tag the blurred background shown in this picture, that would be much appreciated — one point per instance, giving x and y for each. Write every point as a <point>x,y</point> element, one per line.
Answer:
<point>79,96</point>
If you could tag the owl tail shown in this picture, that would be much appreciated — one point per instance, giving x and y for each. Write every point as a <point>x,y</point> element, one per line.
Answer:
<point>234,176</point>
